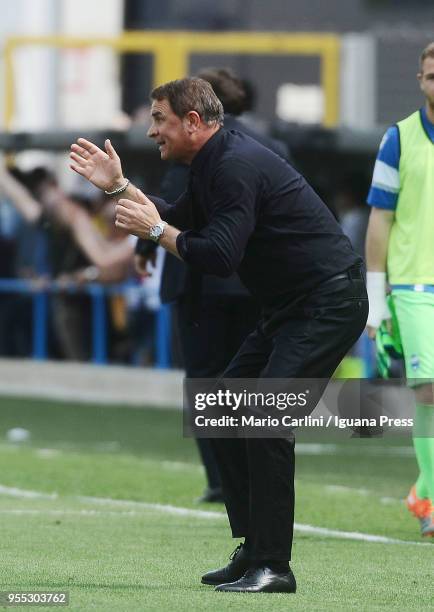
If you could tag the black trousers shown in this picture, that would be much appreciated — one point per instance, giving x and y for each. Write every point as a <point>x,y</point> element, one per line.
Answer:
<point>225,322</point>
<point>258,474</point>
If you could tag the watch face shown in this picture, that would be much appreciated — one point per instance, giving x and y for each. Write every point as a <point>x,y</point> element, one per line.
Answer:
<point>156,231</point>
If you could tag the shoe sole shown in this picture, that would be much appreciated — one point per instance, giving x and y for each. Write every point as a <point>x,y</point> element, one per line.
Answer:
<point>272,590</point>
<point>427,534</point>
<point>210,582</point>
<point>217,583</point>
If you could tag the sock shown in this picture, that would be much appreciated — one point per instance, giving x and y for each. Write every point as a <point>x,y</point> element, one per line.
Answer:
<point>424,449</point>
<point>280,567</point>
<point>247,545</point>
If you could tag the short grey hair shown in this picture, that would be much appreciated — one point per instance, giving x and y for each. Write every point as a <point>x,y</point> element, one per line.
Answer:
<point>191,94</point>
<point>427,52</point>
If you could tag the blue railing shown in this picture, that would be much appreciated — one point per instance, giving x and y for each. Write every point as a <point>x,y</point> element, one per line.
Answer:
<point>39,291</point>
<point>40,295</point>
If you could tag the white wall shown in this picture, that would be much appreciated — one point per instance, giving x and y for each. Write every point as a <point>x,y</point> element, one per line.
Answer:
<point>89,86</point>
<point>358,95</point>
<point>68,88</point>
<point>33,68</point>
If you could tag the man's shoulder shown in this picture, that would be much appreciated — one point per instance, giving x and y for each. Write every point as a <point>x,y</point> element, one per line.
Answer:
<point>389,149</point>
<point>241,148</point>
<point>244,158</point>
<point>277,146</point>
<point>414,116</point>
<point>385,179</point>
<point>231,164</point>
<point>238,138</point>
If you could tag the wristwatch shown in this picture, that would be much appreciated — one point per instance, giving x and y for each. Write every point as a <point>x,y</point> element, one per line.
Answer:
<point>157,231</point>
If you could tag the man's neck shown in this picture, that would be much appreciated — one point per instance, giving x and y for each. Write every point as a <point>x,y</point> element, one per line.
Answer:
<point>201,142</point>
<point>429,112</point>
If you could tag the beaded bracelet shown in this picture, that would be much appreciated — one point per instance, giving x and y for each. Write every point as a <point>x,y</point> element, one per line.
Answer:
<point>119,189</point>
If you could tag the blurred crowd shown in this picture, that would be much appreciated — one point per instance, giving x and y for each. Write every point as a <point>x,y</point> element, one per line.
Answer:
<point>64,243</point>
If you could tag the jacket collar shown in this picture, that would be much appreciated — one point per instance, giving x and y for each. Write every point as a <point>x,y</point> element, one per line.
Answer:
<point>206,152</point>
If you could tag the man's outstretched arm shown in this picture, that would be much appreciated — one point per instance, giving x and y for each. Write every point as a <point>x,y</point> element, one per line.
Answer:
<point>218,247</point>
<point>104,170</point>
<point>20,197</point>
<point>377,240</point>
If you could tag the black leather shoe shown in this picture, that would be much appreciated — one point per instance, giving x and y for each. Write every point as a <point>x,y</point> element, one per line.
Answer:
<point>211,496</point>
<point>262,580</point>
<point>234,570</point>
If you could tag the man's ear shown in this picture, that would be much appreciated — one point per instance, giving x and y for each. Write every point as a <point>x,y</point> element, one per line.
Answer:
<point>192,121</point>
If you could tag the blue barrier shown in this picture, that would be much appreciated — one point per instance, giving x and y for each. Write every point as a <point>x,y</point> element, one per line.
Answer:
<point>367,353</point>
<point>163,332</point>
<point>40,292</point>
<point>40,318</point>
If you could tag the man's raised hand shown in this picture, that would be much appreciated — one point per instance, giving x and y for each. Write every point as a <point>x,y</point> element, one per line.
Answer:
<point>102,169</point>
<point>137,217</point>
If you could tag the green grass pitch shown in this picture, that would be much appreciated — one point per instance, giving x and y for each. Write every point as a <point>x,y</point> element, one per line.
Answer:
<point>146,556</point>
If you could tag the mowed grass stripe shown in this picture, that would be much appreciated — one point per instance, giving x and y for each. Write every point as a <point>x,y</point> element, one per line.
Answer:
<point>140,479</point>
<point>176,511</point>
<point>154,562</point>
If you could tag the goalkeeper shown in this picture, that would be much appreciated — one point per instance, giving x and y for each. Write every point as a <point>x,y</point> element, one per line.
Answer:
<point>400,249</point>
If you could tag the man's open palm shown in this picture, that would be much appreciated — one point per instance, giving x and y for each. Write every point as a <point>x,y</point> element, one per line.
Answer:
<point>102,168</point>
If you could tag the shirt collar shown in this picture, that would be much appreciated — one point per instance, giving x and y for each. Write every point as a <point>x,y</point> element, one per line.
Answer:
<point>206,152</point>
<point>426,123</point>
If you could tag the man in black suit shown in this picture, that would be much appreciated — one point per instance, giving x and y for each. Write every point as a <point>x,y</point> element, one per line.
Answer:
<point>227,313</point>
<point>247,210</point>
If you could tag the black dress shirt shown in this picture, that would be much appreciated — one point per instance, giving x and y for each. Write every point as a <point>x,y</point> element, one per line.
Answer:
<point>246,209</point>
<point>176,276</point>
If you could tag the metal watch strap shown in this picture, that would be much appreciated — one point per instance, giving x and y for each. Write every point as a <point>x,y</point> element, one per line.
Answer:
<point>161,225</point>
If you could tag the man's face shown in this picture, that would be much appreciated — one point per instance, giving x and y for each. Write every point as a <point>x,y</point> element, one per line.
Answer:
<point>169,132</point>
<point>426,79</point>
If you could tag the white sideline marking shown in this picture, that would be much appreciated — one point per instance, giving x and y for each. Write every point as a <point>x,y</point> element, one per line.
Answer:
<point>364,492</point>
<point>24,493</point>
<point>166,508</point>
<point>307,448</point>
<point>353,535</point>
<point>175,510</point>
<point>344,489</point>
<point>47,453</point>
<point>24,512</point>
<point>178,466</point>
